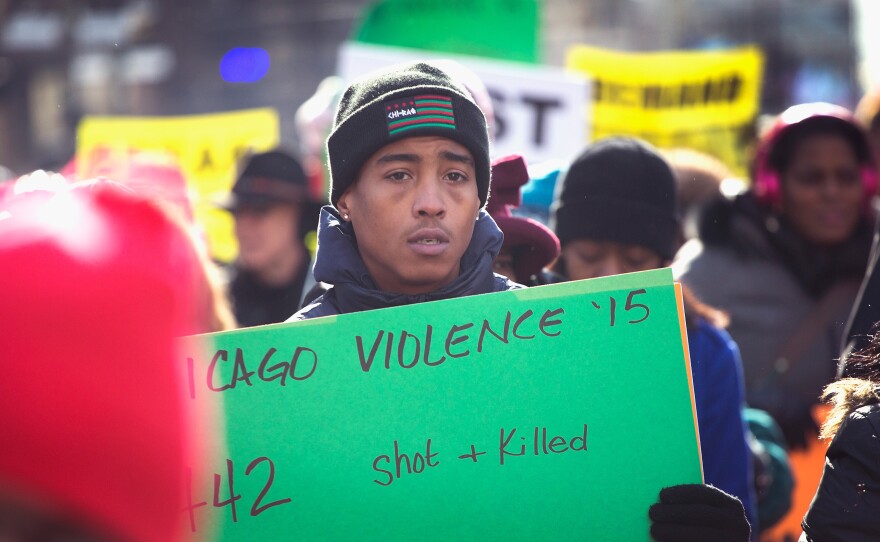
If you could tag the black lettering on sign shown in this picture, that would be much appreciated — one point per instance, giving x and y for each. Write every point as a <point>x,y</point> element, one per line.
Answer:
<point>257,507</point>
<point>450,342</point>
<point>722,89</point>
<point>402,347</point>
<point>404,463</point>
<point>230,485</point>
<point>486,327</point>
<point>540,106</point>
<point>302,365</point>
<point>428,332</point>
<point>640,308</point>
<point>412,348</point>
<point>206,161</point>
<point>538,443</point>
<point>525,316</point>
<point>367,362</point>
<point>547,322</point>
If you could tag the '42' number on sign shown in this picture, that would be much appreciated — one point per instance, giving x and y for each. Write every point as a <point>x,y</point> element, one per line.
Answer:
<point>258,506</point>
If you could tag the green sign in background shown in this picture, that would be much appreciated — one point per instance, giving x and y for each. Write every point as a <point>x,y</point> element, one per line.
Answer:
<point>627,383</point>
<point>508,30</point>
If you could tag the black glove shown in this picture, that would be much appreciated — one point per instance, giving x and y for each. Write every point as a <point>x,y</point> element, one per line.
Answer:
<point>698,513</point>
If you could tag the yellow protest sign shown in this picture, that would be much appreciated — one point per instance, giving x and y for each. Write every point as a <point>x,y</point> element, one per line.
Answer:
<point>206,147</point>
<point>704,100</point>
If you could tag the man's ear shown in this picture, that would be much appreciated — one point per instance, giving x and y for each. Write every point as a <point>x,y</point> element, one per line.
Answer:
<point>344,204</point>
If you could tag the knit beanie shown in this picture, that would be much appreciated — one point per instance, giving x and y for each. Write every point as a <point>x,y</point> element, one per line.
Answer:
<point>403,101</point>
<point>620,190</point>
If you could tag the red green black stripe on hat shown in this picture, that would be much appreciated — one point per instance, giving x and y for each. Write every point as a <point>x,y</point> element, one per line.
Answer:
<point>424,111</point>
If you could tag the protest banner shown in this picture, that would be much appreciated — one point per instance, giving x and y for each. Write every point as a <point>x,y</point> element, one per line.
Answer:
<point>554,412</point>
<point>540,111</point>
<point>466,26</point>
<point>206,147</point>
<point>704,100</point>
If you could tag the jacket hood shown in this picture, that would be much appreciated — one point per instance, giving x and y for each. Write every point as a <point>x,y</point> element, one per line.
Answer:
<point>338,262</point>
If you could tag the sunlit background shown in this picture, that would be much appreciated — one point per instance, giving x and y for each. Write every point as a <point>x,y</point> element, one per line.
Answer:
<point>63,59</point>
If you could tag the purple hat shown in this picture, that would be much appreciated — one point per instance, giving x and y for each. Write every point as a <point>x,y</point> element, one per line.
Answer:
<point>534,245</point>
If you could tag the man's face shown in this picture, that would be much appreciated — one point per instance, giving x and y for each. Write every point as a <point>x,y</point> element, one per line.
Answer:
<point>822,194</point>
<point>266,235</point>
<point>413,208</point>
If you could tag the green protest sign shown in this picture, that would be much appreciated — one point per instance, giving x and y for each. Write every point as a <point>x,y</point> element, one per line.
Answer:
<point>544,413</point>
<point>488,28</point>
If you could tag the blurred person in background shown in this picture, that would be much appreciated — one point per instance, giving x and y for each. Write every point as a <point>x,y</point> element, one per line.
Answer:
<point>784,259</point>
<point>617,212</point>
<point>272,208</point>
<point>97,435</point>
<point>846,503</point>
<point>528,245</point>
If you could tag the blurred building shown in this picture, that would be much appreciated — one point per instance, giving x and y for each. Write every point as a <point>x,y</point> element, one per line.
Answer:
<point>62,59</point>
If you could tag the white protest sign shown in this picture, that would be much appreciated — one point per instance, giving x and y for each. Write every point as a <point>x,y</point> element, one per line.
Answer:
<point>541,112</point>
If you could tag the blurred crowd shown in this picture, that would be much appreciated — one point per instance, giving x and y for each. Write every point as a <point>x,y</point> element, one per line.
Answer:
<point>777,271</point>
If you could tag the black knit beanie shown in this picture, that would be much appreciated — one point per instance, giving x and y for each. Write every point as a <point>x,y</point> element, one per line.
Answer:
<point>620,190</point>
<point>404,101</point>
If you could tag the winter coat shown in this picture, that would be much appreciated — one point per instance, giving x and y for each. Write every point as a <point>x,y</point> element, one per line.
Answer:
<point>256,303</point>
<point>339,264</point>
<point>846,507</point>
<point>749,263</point>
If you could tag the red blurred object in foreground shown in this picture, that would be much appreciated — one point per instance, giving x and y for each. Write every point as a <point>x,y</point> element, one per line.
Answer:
<point>95,286</point>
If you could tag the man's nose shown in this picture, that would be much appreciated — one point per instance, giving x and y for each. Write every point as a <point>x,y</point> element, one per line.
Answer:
<point>429,199</point>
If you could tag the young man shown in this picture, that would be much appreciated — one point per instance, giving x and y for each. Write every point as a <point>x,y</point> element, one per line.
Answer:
<point>409,160</point>
<point>409,163</point>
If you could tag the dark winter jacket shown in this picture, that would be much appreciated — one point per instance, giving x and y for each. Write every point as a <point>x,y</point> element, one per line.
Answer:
<point>256,303</point>
<point>339,264</point>
<point>846,507</point>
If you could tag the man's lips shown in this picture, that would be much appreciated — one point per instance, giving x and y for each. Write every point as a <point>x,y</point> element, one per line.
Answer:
<point>428,241</point>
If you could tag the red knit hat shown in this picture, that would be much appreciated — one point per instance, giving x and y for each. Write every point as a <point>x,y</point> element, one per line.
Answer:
<point>96,285</point>
<point>534,245</point>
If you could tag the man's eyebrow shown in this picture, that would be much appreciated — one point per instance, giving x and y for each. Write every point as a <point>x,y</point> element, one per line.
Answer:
<point>455,157</point>
<point>400,157</point>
